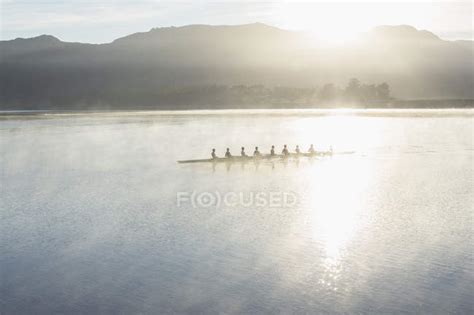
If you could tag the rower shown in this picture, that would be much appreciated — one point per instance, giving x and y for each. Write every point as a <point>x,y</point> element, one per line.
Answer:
<point>272,151</point>
<point>242,152</point>
<point>227,153</point>
<point>311,149</point>
<point>213,154</point>
<point>285,150</point>
<point>297,150</point>
<point>256,152</point>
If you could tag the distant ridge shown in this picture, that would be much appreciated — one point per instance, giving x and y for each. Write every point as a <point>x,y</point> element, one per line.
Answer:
<point>387,31</point>
<point>402,32</point>
<point>44,72</point>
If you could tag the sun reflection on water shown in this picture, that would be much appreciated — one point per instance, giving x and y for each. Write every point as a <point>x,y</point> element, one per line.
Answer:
<point>337,213</point>
<point>337,190</point>
<point>341,131</point>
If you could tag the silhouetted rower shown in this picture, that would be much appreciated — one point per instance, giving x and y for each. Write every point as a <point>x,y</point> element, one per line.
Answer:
<point>272,151</point>
<point>311,149</point>
<point>285,150</point>
<point>213,154</point>
<point>227,153</point>
<point>242,152</point>
<point>256,152</point>
<point>297,150</point>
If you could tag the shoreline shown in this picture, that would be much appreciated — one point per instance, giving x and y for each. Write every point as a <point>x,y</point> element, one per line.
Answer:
<point>394,104</point>
<point>369,112</point>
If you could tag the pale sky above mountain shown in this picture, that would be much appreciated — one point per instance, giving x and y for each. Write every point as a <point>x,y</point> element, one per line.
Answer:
<point>103,21</point>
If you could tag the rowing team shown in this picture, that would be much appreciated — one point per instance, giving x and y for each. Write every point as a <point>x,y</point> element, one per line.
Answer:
<point>257,153</point>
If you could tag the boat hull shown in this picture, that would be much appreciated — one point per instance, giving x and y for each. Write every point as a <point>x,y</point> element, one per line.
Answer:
<point>263,157</point>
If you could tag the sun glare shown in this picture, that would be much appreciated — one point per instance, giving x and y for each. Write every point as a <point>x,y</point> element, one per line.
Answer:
<point>336,220</point>
<point>324,22</point>
<point>334,36</point>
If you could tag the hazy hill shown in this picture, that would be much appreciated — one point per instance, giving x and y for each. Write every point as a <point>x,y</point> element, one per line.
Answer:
<point>133,71</point>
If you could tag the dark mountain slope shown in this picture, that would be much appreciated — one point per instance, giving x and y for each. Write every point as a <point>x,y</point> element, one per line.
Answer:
<point>133,71</point>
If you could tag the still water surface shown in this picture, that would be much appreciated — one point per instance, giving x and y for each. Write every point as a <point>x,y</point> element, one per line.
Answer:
<point>89,219</point>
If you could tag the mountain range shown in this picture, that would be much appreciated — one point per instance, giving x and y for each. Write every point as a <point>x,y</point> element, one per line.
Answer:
<point>135,71</point>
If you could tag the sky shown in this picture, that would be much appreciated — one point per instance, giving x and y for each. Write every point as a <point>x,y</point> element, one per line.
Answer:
<point>103,21</point>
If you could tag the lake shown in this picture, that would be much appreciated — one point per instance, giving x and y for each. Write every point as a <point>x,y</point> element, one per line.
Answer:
<point>97,216</point>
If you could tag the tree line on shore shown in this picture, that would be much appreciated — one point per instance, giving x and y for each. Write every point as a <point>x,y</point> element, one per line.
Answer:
<point>355,92</point>
<point>251,96</point>
<point>144,96</point>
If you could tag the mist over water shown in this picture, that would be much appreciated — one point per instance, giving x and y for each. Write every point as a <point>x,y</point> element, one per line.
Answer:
<point>89,219</point>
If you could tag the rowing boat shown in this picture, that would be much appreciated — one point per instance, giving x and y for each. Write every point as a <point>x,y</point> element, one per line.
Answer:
<point>265,157</point>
